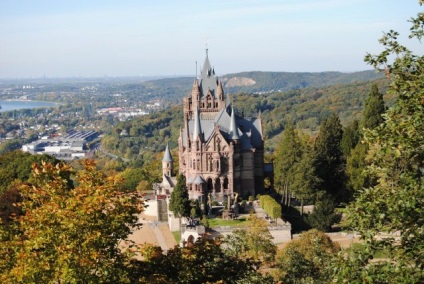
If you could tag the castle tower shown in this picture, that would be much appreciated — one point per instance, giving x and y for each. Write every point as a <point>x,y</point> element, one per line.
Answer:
<point>167,163</point>
<point>220,154</point>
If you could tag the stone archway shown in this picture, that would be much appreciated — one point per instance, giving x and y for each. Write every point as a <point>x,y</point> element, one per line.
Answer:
<point>190,241</point>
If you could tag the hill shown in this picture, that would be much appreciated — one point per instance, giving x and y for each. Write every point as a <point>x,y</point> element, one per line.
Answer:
<point>255,82</point>
<point>306,107</point>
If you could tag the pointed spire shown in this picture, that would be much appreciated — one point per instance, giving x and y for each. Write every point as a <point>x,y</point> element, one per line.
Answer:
<point>220,91</point>
<point>206,70</point>
<point>233,126</point>
<point>167,155</point>
<point>197,127</point>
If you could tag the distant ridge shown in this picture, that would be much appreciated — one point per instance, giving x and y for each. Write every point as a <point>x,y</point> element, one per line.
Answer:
<point>266,82</point>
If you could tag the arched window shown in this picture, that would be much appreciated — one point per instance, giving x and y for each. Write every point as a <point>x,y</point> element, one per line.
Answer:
<point>210,184</point>
<point>226,183</point>
<point>217,185</point>
<point>210,164</point>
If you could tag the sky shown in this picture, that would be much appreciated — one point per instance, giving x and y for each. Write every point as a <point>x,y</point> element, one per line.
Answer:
<point>96,38</point>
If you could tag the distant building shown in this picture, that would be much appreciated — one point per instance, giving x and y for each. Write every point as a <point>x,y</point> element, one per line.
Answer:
<point>69,147</point>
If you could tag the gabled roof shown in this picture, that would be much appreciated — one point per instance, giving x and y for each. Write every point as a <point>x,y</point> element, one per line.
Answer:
<point>199,180</point>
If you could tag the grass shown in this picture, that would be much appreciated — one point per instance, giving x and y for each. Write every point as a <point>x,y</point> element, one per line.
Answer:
<point>177,236</point>
<point>216,222</point>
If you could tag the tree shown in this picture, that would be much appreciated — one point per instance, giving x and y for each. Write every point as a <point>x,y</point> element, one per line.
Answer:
<point>16,166</point>
<point>356,164</point>
<point>253,241</point>
<point>179,203</point>
<point>395,203</point>
<point>204,262</point>
<point>307,259</point>
<point>323,216</point>
<point>305,180</point>
<point>329,162</point>
<point>136,178</point>
<point>351,137</point>
<point>286,155</point>
<point>69,234</point>
<point>373,109</point>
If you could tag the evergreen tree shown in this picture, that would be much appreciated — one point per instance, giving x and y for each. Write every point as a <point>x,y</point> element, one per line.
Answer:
<point>324,216</point>
<point>356,164</point>
<point>179,203</point>
<point>350,138</point>
<point>305,181</point>
<point>329,162</point>
<point>287,154</point>
<point>373,109</point>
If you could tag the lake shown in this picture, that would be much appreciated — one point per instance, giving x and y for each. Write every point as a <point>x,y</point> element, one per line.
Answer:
<point>16,105</point>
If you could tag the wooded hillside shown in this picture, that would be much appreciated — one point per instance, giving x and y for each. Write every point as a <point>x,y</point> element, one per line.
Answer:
<point>147,135</point>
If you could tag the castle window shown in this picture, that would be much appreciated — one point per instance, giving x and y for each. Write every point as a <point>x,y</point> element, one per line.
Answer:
<point>217,165</point>
<point>198,164</point>
<point>226,183</point>
<point>210,164</point>
<point>218,145</point>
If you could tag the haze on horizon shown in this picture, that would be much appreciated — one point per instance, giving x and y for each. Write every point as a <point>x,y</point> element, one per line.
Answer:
<point>156,38</point>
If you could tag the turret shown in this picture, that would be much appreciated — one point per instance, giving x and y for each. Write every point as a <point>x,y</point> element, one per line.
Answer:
<point>220,91</point>
<point>195,92</point>
<point>167,162</point>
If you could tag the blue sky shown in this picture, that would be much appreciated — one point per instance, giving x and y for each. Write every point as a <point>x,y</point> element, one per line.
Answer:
<point>58,38</point>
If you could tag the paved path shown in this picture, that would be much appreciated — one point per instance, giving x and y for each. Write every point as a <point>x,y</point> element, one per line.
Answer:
<point>154,225</point>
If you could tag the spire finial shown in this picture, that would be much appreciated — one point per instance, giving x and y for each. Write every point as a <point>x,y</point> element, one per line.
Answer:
<point>207,43</point>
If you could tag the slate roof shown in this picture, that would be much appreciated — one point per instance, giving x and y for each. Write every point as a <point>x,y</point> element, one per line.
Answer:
<point>167,156</point>
<point>208,79</point>
<point>248,129</point>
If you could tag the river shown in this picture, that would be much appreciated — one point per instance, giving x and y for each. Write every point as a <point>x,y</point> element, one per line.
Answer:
<point>23,104</point>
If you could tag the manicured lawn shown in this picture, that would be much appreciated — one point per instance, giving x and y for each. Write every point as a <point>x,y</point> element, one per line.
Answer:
<point>177,236</point>
<point>216,222</point>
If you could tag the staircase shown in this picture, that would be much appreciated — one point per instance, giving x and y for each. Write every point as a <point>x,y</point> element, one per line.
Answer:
<point>162,210</point>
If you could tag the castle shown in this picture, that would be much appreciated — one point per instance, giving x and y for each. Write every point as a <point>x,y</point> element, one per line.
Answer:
<point>220,152</point>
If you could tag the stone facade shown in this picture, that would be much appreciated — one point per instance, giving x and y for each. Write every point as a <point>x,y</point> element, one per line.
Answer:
<point>220,153</point>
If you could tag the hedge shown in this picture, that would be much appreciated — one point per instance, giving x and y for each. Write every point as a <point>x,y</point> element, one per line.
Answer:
<point>271,207</point>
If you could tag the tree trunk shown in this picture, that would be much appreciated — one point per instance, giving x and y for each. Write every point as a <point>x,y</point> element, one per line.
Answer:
<point>289,198</point>
<point>286,193</point>
<point>301,207</point>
